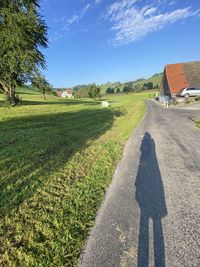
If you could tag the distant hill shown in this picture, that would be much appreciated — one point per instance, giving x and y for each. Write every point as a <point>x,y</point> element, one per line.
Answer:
<point>139,84</point>
<point>156,79</point>
<point>117,87</point>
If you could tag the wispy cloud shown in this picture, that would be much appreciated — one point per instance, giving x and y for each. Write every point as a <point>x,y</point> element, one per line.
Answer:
<point>66,22</point>
<point>172,3</point>
<point>96,2</point>
<point>55,36</point>
<point>79,15</point>
<point>131,22</point>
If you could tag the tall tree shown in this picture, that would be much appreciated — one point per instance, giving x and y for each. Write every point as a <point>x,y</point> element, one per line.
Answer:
<point>41,83</point>
<point>94,91</point>
<point>22,33</point>
<point>127,89</point>
<point>110,90</point>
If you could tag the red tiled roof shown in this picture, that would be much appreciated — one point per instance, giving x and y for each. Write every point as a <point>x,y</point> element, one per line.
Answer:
<point>69,91</point>
<point>176,77</point>
<point>58,92</point>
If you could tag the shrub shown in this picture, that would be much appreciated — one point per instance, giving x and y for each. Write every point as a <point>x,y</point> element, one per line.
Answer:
<point>187,100</point>
<point>110,90</point>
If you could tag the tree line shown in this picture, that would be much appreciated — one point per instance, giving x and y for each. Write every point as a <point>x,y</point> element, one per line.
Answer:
<point>84,91</point>
<point>131,87</point>
<point>94,91</point>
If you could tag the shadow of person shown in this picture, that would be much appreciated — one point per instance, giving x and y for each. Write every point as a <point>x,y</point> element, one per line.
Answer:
<point>151,199</point>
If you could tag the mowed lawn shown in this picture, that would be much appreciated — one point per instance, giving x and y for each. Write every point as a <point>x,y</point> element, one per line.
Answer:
<point>57,158</point>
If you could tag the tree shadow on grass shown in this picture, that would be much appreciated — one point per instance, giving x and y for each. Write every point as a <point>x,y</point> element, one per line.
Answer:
<point>151,199</point>
<point>33,147</point>
<point>50,102</point>
<point>64,102</point>
<point>59,101</point>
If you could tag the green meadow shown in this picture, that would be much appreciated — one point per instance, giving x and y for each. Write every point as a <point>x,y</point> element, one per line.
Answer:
<point>57,158</point>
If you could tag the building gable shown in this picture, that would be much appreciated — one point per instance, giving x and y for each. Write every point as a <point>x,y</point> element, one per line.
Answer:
<point>178,76</point>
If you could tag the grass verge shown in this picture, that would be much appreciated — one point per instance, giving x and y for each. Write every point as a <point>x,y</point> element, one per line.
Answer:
<point>57,158</point>
<point>198,123</point>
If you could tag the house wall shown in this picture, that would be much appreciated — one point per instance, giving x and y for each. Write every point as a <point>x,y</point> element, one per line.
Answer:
<point>66,95</point>
<point>164,88</point>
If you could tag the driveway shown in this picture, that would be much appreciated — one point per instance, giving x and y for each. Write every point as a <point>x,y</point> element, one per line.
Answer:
<point>151,213</point>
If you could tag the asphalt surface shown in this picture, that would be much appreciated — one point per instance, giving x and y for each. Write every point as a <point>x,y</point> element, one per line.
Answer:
<point>151,213</point>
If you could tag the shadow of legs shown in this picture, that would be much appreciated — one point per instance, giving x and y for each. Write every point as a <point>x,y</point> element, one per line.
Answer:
<point>143,246</point>
<point>159,247</point>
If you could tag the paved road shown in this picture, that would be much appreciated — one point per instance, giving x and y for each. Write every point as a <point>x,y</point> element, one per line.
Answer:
<point>151,214</point>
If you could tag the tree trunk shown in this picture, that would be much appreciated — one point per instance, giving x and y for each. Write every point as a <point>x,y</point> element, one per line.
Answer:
<point>1,88</point>
<point>44,96</point>
<point>12,99</point>
<point>9,93</point>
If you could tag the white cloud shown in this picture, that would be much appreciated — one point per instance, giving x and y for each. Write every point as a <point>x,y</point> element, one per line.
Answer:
<point>119,6</point>
<point>73,19</point>
<point>150,11</point>
<point>96,2</point>
<point>131,23</point>
<point>77,17</point>
<point>172,3</point>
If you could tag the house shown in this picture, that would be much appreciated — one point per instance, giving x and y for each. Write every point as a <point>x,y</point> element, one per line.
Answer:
<point>65,93</point>
<point>178,76</point>
<point>58,93</point>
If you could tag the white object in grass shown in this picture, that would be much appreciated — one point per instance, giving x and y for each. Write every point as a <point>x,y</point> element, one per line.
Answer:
<point>105,104</point>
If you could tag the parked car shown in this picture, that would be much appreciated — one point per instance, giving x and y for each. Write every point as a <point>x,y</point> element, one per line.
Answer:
<point>190,91</point>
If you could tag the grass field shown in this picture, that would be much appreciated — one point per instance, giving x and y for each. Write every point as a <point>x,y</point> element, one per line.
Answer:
<point>57,158</point>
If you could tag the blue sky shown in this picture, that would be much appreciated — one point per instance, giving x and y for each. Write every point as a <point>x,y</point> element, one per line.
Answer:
<point>118,40</point>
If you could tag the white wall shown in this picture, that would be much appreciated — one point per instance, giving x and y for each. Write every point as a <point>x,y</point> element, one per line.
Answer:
<point>66,95</point>
<point>164,99</point>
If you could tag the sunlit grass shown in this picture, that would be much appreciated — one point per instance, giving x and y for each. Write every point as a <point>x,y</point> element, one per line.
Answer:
<point>57,158</point>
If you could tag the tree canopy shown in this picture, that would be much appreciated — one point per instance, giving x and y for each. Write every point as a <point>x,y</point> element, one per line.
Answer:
<point>41,83</point>
<point>110,90</point>
<point>94,91</point>
<point>22,33</point>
